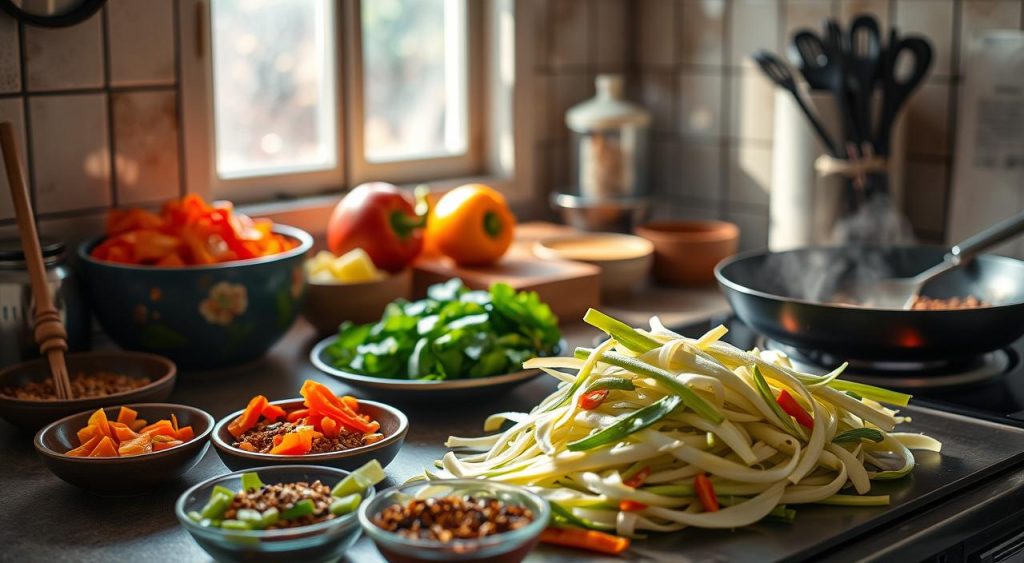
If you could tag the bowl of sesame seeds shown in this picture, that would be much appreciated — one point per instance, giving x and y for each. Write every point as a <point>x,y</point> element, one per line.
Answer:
<point>455,520</point>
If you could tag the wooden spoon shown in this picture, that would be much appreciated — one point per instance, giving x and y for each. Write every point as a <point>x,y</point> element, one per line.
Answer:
<point>49,331</point>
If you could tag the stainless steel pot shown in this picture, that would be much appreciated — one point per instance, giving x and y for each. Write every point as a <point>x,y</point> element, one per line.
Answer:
<point>17,342</point>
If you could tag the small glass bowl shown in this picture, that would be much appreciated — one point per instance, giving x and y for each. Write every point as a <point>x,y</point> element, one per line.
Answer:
<point>508,547</point>
<point>323,541</point>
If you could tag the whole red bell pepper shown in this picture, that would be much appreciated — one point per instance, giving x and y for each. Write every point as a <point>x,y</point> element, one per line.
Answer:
<point>378,218</point>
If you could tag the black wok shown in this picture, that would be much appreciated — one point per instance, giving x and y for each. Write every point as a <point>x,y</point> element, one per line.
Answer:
<point>785,296</point>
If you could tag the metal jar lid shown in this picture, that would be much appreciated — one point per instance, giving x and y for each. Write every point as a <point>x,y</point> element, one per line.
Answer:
<point>11,253</point>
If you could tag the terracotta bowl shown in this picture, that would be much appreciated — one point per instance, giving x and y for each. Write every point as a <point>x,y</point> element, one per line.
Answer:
<point>330,304</point>
<point>124,475</point>
<point>32,415</point>
<point>393,424</point>
<point>686,252</point>
<point>625,260</point>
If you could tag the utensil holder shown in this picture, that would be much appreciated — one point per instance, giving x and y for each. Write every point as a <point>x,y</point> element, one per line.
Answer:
<point>808,208</point>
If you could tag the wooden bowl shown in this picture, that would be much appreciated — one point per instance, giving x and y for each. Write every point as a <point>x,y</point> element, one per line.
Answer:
<point>625,260</point>
<point>124,475</point>
<point>330,304</point>
<point>686,252</point>
<point>32,415</point>
<point>393,425</point>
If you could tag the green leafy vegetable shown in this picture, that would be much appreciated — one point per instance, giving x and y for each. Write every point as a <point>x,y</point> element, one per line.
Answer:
<point>454,333</point>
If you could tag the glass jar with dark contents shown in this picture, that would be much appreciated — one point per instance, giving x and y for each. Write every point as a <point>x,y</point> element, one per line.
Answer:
<point>17,342</point>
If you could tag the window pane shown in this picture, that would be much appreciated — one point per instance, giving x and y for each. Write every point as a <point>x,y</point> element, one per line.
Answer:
<point>273,85</point>
<point>414,77</point>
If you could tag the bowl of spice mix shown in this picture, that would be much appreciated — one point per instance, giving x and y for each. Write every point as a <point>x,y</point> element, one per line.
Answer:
<point>449,520</point>
<point>98,379</point>
<point>319,428</point>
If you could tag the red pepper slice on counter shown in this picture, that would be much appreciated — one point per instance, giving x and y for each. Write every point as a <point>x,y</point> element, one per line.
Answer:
<point>592,400</point>
<point>638,478</point>
<point>249,417</point>
<point>705,492</point>
<point>793,409</point>
<point>631,506</point>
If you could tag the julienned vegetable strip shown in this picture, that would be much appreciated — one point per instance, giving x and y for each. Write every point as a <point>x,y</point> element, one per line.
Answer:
<point>793,409</point>
<point>858,434</point>
<point>627,424</point>
<point>590,540</point>
<point>627,465</point>
<point>625,334</point>
<point>705,492</point>
<point>692,400</point>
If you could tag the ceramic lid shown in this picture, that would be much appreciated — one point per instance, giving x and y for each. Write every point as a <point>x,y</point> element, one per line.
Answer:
<point>608,109</point>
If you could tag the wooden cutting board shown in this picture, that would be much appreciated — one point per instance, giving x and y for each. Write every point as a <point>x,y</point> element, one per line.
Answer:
<point>569,288</point>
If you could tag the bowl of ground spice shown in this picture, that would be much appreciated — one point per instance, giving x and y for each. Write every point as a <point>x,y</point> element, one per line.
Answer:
<point>290,432</point>
<point>455,520</point>
<point>98,379</point>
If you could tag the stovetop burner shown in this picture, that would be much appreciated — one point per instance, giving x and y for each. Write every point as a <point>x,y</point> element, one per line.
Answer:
<point>907,375</point>
<point>990,386</point>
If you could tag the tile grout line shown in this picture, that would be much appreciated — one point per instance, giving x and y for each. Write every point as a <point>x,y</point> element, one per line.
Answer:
<point>26,119</point>
<point>111,141</point>
<point>178,101</point>
<point>953,100</point>
<point>728,82</point>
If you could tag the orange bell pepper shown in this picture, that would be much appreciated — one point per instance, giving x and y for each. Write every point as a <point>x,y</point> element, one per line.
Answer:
<point>138,424</point>
<point>272,412</point>
<point>472,225</point>
<point>185,433</point>
<point>141,444</point>
<point>105,448</point>
<point>121,432</point>
<point>126,415</point>
<point>161,427</point>
<point>297,414</point>
<point>329,426</point>
<point>295,443</point>
<point>249,417</point>
<point>85,433</point>
<point>100,422</point>
<point>86,448</point>
<point>161,446</point>
<point>319,399</point>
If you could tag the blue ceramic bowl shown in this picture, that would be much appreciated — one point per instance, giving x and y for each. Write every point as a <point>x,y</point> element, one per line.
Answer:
<point>202,317</point>
<point>323,541</point>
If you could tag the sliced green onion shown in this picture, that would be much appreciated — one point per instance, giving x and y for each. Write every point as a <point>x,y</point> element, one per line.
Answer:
<point>562,515</point>
<point>872,392</point>
<point>765,391</point>
<point>690,398</point>
<point>632,339</point>
<point>858,434</point>
<point>627,424</point>
<point>619,383</point>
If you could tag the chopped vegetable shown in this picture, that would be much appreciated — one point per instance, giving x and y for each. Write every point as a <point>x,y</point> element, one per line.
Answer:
<point>761,439</point>
<point>249,417</point>
<point>355,266</point>
<point>793,409</point>
<point>251,481</point>
<point>453,333</point>
<point>346,504</point>
<point>590,540</point>
<point>304,507</point>
<point>128,436</point>
<point>590,400</point>
<point>705,492</point>
<point>187,232</point>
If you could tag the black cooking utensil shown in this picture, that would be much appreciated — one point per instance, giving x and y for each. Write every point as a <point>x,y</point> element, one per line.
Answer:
<point>895,90</point>
<point>778,72</point>
<point>836,71</point>
<point>863,60</point>
<point>808,53</point>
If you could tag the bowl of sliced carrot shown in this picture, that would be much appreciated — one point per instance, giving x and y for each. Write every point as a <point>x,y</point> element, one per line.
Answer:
<point>318,428</point>
<point>126,449</point>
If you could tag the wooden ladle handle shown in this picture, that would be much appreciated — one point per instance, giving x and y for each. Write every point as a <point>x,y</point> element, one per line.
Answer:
<point>49,331</point>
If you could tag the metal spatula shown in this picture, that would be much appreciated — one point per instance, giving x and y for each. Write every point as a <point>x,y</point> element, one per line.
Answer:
<point>900,293</point>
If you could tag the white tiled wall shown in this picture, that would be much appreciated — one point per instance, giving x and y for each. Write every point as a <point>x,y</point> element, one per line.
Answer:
<point>100,101</point>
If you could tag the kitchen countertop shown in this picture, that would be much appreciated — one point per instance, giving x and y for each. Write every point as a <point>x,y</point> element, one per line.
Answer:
<point>54,521</point>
